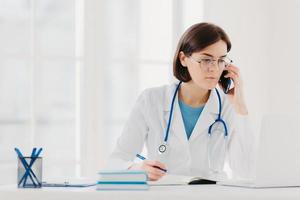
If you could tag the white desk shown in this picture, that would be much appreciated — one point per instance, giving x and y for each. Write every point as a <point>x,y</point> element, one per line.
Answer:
<point>199,192</point>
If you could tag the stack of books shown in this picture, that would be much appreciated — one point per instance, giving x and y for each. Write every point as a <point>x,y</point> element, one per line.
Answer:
<point>122,180</point>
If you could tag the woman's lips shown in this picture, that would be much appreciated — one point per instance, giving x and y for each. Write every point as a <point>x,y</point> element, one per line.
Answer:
<point>211,78</point>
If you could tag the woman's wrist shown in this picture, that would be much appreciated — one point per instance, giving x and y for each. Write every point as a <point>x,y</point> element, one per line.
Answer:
<point>241,109</point>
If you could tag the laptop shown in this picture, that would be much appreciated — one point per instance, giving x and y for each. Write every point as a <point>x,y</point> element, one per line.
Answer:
<point>278,155</point>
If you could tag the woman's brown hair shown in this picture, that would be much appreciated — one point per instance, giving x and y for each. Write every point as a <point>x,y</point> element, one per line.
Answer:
<point>196,38</point>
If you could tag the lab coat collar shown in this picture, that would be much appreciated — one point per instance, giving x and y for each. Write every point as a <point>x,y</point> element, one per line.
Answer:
<point>207,117</point>
<point>212,102</point>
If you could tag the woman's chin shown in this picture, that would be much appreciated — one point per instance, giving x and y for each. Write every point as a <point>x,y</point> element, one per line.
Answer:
<point>209,85</point>
<point>212,86</point>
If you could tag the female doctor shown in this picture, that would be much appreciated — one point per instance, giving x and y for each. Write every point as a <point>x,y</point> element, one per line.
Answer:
<point>191,127</point>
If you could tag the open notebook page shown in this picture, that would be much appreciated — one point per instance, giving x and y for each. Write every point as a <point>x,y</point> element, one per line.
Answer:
<point>170,179</point>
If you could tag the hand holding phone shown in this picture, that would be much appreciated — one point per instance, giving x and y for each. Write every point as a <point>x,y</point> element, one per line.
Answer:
<point>225,82</point>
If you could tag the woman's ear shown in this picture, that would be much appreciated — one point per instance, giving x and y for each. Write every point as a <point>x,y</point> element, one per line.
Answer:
<point>182,59</point>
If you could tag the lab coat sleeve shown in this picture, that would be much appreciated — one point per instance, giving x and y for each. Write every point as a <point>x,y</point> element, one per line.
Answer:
<point>132,137</point>
<point>241,146</point>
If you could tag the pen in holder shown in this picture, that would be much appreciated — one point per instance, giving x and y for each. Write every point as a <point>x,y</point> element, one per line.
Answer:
<point>30,169</point>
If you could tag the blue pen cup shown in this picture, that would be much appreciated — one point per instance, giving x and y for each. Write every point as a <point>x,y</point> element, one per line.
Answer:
<point>30,176</point>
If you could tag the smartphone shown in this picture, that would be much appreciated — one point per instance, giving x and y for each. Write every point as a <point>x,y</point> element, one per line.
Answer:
<point>225,82</point>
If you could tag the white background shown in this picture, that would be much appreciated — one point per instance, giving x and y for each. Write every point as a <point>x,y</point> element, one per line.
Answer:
<point>70,70</point>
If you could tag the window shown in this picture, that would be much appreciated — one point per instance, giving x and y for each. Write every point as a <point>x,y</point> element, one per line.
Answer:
<point>142,38</point>
<point>71,71</point>
<point>38,83</point>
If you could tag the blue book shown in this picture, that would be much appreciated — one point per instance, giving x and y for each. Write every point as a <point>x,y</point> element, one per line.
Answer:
<point>122,180</point>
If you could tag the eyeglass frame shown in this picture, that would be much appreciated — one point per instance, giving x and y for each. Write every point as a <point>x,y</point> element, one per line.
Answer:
<point>213,62</point>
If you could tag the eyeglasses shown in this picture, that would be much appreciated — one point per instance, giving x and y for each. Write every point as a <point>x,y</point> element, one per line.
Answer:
<point>206,63</point>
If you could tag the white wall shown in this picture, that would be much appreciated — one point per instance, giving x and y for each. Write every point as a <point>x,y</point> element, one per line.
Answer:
<point>265,37</point>
<point>284,52</point>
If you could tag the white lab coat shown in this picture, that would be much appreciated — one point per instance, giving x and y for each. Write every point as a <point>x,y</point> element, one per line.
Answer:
<point>147,125</point>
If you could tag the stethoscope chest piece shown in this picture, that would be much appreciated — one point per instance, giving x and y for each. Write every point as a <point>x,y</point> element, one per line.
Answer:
<point>162,148</point>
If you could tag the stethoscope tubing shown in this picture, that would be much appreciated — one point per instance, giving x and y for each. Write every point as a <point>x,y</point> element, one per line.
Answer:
<point>218,120</point>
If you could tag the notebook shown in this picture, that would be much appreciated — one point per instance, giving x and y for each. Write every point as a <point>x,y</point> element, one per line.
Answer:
<point>130,186</point>
<point>68,184</point>
<point>71,182</point>
<point>123,176</point>
<point>171,179</point>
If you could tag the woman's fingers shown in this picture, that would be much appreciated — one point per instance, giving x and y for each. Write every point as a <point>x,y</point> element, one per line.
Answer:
<point>153,174</point>
<point>233,69</point>
<point>152,168</point>
<point>155,163</point>
<point>234,73</point>
<point>231,75</point>
<point>153,177</point>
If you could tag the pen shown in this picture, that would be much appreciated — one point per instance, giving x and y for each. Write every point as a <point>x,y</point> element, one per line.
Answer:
<point>143,158</point>
<point>26,175</point>
<point>34,156</point>
<point>22,159</point>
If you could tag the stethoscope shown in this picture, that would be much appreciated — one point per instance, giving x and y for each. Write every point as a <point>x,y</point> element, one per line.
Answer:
<point>164,146</point>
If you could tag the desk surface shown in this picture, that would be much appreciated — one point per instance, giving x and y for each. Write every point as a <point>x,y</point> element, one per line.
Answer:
<point>207,192</point>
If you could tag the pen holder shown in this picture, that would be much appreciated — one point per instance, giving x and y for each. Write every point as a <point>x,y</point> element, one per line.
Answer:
<point>30,172</point>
